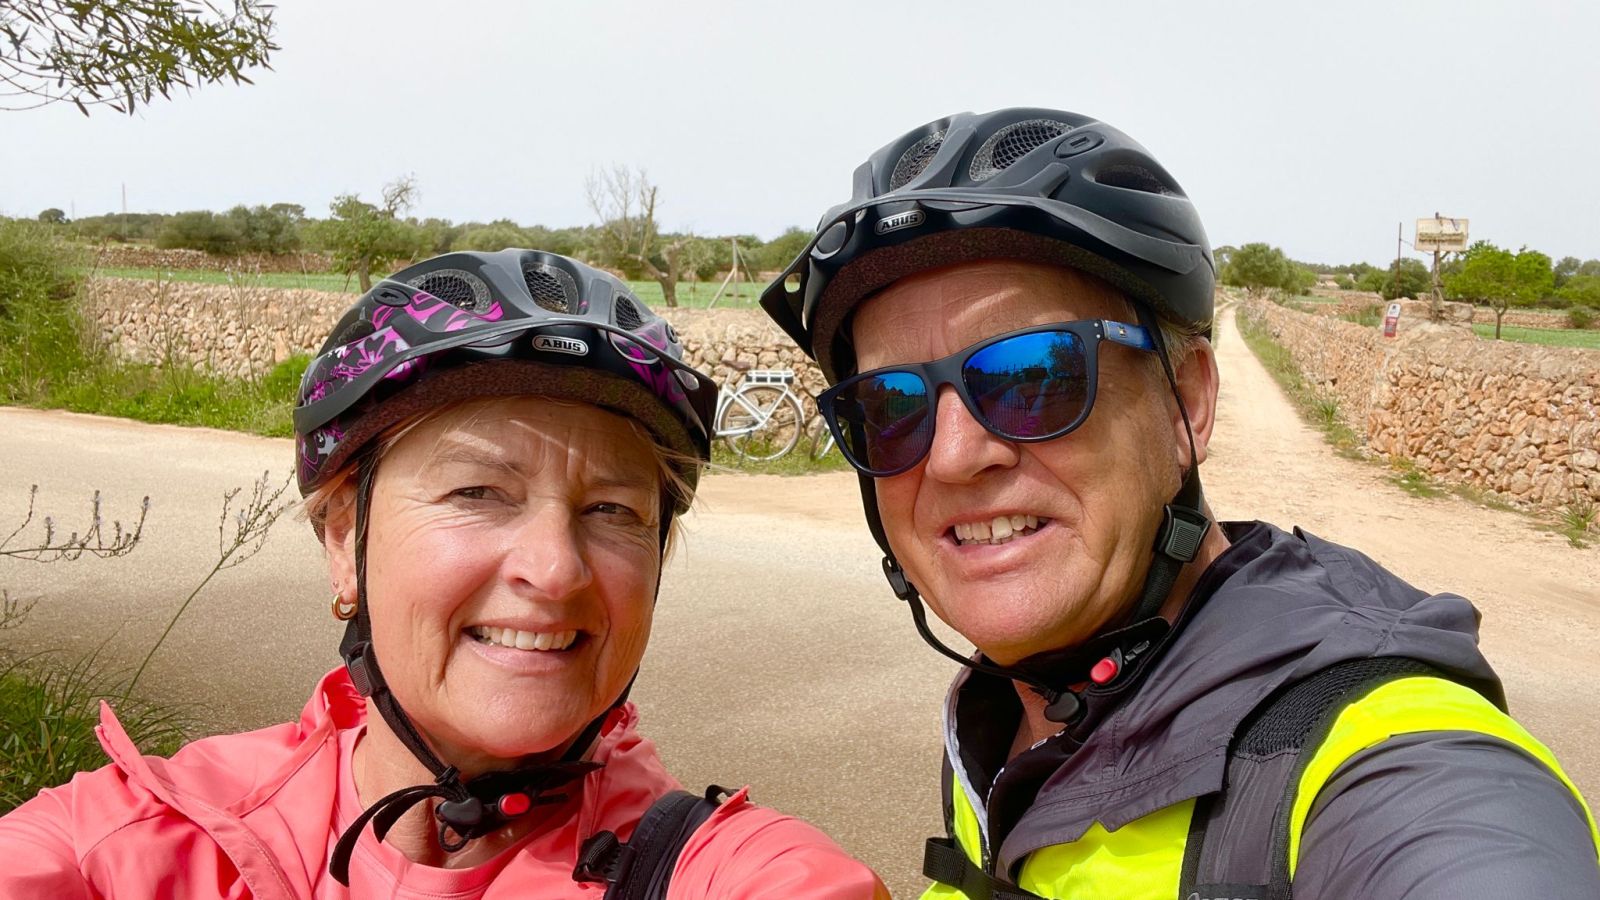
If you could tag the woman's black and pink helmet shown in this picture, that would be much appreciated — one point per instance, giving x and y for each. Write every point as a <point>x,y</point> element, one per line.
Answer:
<point>469,325</point>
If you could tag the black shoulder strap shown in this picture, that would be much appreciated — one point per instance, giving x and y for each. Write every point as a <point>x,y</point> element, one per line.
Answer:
<point>1238,844</point>
<point>641,867</point>
<point>943,861</point>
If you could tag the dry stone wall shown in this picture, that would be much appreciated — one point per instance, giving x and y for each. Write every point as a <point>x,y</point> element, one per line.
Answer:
<point>235,331</point>
<point>727,343</point>
<point>1516,419</point>
<point>241,331</point>
<point>139,256</point>
<point>1345,302</point>
<point>1519,420</point>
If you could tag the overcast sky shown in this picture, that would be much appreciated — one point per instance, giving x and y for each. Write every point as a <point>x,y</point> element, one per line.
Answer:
<point>1314,126</point>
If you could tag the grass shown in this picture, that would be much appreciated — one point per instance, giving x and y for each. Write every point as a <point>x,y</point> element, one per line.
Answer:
<point>1475,494</point>
<point>698,294</point>
<point>175,395</point>
<point>48,711</point>
<point>1368,316</point>
<point>1316,407</point>
<point>318,281</point>
<point>1549,337</point>
<point>798,461</point>
<point>1413,480</point>
<point>1577,522</point>
<point>691,295</point>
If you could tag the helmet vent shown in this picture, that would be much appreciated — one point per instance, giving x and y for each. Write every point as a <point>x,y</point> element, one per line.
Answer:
<point>1011,143</point>
<point>356,331</point>
<point>1134,178</point>
<point>915,160</point>
<point>550,287</point>
<point>627,315</point>
<point>456,287</point>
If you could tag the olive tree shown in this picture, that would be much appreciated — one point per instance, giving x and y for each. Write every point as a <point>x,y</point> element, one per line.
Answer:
<point>121,53</point>
<point>362,237</point>
<point>624,201</point>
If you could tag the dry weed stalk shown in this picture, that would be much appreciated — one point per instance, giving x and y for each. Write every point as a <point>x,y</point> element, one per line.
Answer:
<point>252,523</point>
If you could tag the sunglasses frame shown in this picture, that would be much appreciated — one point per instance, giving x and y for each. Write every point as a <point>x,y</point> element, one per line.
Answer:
<point>948,370</point>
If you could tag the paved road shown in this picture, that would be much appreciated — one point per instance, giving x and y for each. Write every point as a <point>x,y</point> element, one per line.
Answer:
<point>779,658</point>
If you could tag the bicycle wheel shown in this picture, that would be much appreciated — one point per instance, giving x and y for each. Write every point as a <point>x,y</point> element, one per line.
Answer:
<point>821,438</point>
<point>761,423</point>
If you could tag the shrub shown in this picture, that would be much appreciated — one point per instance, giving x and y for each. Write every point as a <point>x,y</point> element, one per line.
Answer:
<point>1582,316</point>
<point>201,230</point>
<point>35,264</point>
<point>40,332</point>
<point>265,229</point>
<point>497,235</point>
<point>1369,315</point>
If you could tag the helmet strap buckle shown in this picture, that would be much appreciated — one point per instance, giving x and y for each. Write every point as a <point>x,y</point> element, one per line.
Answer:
<point>1182,530</point>
<point>902,587</point>
<point>1066,709</point>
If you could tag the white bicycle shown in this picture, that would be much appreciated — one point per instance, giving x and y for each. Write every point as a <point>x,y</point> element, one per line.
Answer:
<point>761,419</point>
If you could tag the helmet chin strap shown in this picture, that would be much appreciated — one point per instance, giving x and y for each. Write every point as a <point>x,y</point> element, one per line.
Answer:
<point>466,810</point>
<point>1109,655</point>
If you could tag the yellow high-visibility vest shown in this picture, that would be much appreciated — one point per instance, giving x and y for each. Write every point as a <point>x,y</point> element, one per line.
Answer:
<point>1144,858</point>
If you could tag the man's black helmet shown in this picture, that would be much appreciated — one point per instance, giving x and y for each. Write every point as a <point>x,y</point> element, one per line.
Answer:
<point>1040,185</point>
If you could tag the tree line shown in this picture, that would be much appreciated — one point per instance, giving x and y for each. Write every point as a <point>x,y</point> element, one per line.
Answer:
<point>1485,274</point>
<point>364,237</point>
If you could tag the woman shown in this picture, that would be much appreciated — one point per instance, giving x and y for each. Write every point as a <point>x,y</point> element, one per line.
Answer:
<point>493,448</point>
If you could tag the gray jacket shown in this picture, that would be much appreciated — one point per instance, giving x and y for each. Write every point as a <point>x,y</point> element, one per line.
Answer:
<point>1439,814</point>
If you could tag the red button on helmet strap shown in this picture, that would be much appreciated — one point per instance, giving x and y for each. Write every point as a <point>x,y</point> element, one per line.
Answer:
<point>514,804</point>
<point>1103,671</point>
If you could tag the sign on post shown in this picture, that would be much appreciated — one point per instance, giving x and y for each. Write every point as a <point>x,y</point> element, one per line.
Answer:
<point>1391,320</point>
<point>1441,234</point>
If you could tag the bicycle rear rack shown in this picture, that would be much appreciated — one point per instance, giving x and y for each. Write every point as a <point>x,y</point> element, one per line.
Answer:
<point>769,376</point>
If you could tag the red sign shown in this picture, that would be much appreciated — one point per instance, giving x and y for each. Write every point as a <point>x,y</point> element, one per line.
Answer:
<point>1392,320</point>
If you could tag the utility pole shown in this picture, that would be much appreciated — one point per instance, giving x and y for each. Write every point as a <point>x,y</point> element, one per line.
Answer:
<point>124,229</point>
<point>1399,239</point>
<point>1436,301</point>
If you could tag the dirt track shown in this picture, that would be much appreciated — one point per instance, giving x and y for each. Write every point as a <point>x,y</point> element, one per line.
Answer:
<point>779,658</point>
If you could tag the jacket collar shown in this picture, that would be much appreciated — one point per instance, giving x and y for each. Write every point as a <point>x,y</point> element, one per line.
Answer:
<point>1289,604</point>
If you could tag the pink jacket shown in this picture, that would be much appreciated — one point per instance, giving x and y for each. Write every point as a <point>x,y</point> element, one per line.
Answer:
<point>256,815</point>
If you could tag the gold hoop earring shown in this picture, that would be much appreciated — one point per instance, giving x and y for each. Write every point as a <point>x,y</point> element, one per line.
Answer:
<point>342,611</point>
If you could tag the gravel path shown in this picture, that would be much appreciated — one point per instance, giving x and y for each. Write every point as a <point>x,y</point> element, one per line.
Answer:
<point>780,659</point>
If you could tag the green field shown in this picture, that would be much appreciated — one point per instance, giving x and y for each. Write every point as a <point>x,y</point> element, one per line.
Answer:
<point>697,295</point>
<point>318,281</point>
<point>1588,339</point>
<point>692,295</point>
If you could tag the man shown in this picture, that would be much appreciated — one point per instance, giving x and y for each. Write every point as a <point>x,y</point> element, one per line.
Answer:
<point>1014,311</point>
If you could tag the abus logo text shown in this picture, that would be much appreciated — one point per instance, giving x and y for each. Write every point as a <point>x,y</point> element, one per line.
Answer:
<point>570,346</point>
<point>898,221</point>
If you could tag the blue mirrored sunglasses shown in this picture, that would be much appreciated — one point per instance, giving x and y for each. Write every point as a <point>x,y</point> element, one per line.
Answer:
<point>1034,384</point>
